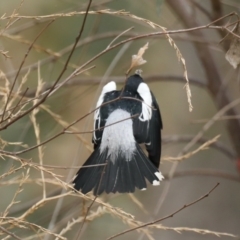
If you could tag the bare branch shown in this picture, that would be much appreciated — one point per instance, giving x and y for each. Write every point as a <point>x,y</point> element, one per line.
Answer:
<point>9,233</point>
<point>214,78</point>
<point>23,61</point>
<point>168,216</point>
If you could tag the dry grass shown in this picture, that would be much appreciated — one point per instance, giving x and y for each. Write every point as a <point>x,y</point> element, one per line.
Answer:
<point>25,174</point>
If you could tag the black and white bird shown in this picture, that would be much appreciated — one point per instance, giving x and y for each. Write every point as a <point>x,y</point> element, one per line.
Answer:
<point>131,117</point>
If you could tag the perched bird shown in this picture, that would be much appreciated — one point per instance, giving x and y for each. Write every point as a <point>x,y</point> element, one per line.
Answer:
<point>123,120</point>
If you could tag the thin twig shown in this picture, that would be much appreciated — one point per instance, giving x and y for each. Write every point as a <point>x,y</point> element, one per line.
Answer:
<point>83,80</point>
<point>139,37</point>
<point>220,146</point>
<point>94,38</point>
<point>23,61</point>
<point>168,216</point>
<point>60,75</point>
<point>22,96</point>
<point>33,93</point>
<point>66,128</point>
<point>9,233</point>
<point>208,26</point>
<point>118,36</point>
<point>99,184</point>
<point>101,128</point>
<point>204,146</point>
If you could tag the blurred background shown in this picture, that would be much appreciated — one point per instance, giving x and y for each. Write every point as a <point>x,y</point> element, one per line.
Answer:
<point>214,85</point>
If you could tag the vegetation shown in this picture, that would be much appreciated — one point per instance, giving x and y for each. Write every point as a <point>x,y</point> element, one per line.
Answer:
<point>55,56</point>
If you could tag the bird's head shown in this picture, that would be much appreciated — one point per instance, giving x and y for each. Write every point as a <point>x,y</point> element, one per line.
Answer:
<point>133,82</point>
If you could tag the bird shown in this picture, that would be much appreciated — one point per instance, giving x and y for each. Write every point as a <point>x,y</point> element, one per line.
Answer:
<point>123,120</point>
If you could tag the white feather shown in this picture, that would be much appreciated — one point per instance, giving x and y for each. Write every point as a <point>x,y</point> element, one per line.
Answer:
<point>155,183</point>
<point>145,94</point>
<point>118,138</point>
<point>111,86</point>
<point>159,176</point>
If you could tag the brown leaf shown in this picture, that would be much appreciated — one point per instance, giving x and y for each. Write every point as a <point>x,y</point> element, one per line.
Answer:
<point>233,54</point>
<point>138,60</point>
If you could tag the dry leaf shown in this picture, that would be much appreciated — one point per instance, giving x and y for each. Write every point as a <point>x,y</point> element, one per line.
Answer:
<point>138,60</point>
<point>233,54</point>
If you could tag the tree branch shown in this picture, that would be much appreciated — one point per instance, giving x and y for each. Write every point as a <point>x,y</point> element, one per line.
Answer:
<point>214,78</point>
<point>168,216</point>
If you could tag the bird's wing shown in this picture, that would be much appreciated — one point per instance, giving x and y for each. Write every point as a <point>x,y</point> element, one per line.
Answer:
<point>147,127</point>
<point>153,143</point>
<point>144,111</point>
<point>99,122</point>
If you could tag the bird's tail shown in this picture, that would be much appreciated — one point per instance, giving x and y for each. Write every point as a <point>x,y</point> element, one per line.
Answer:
<point>116,174</point>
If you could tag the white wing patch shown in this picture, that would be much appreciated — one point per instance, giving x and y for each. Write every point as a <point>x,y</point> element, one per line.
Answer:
<point>111,86</point>
<point>145,94</point>
<point>160,178</point>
